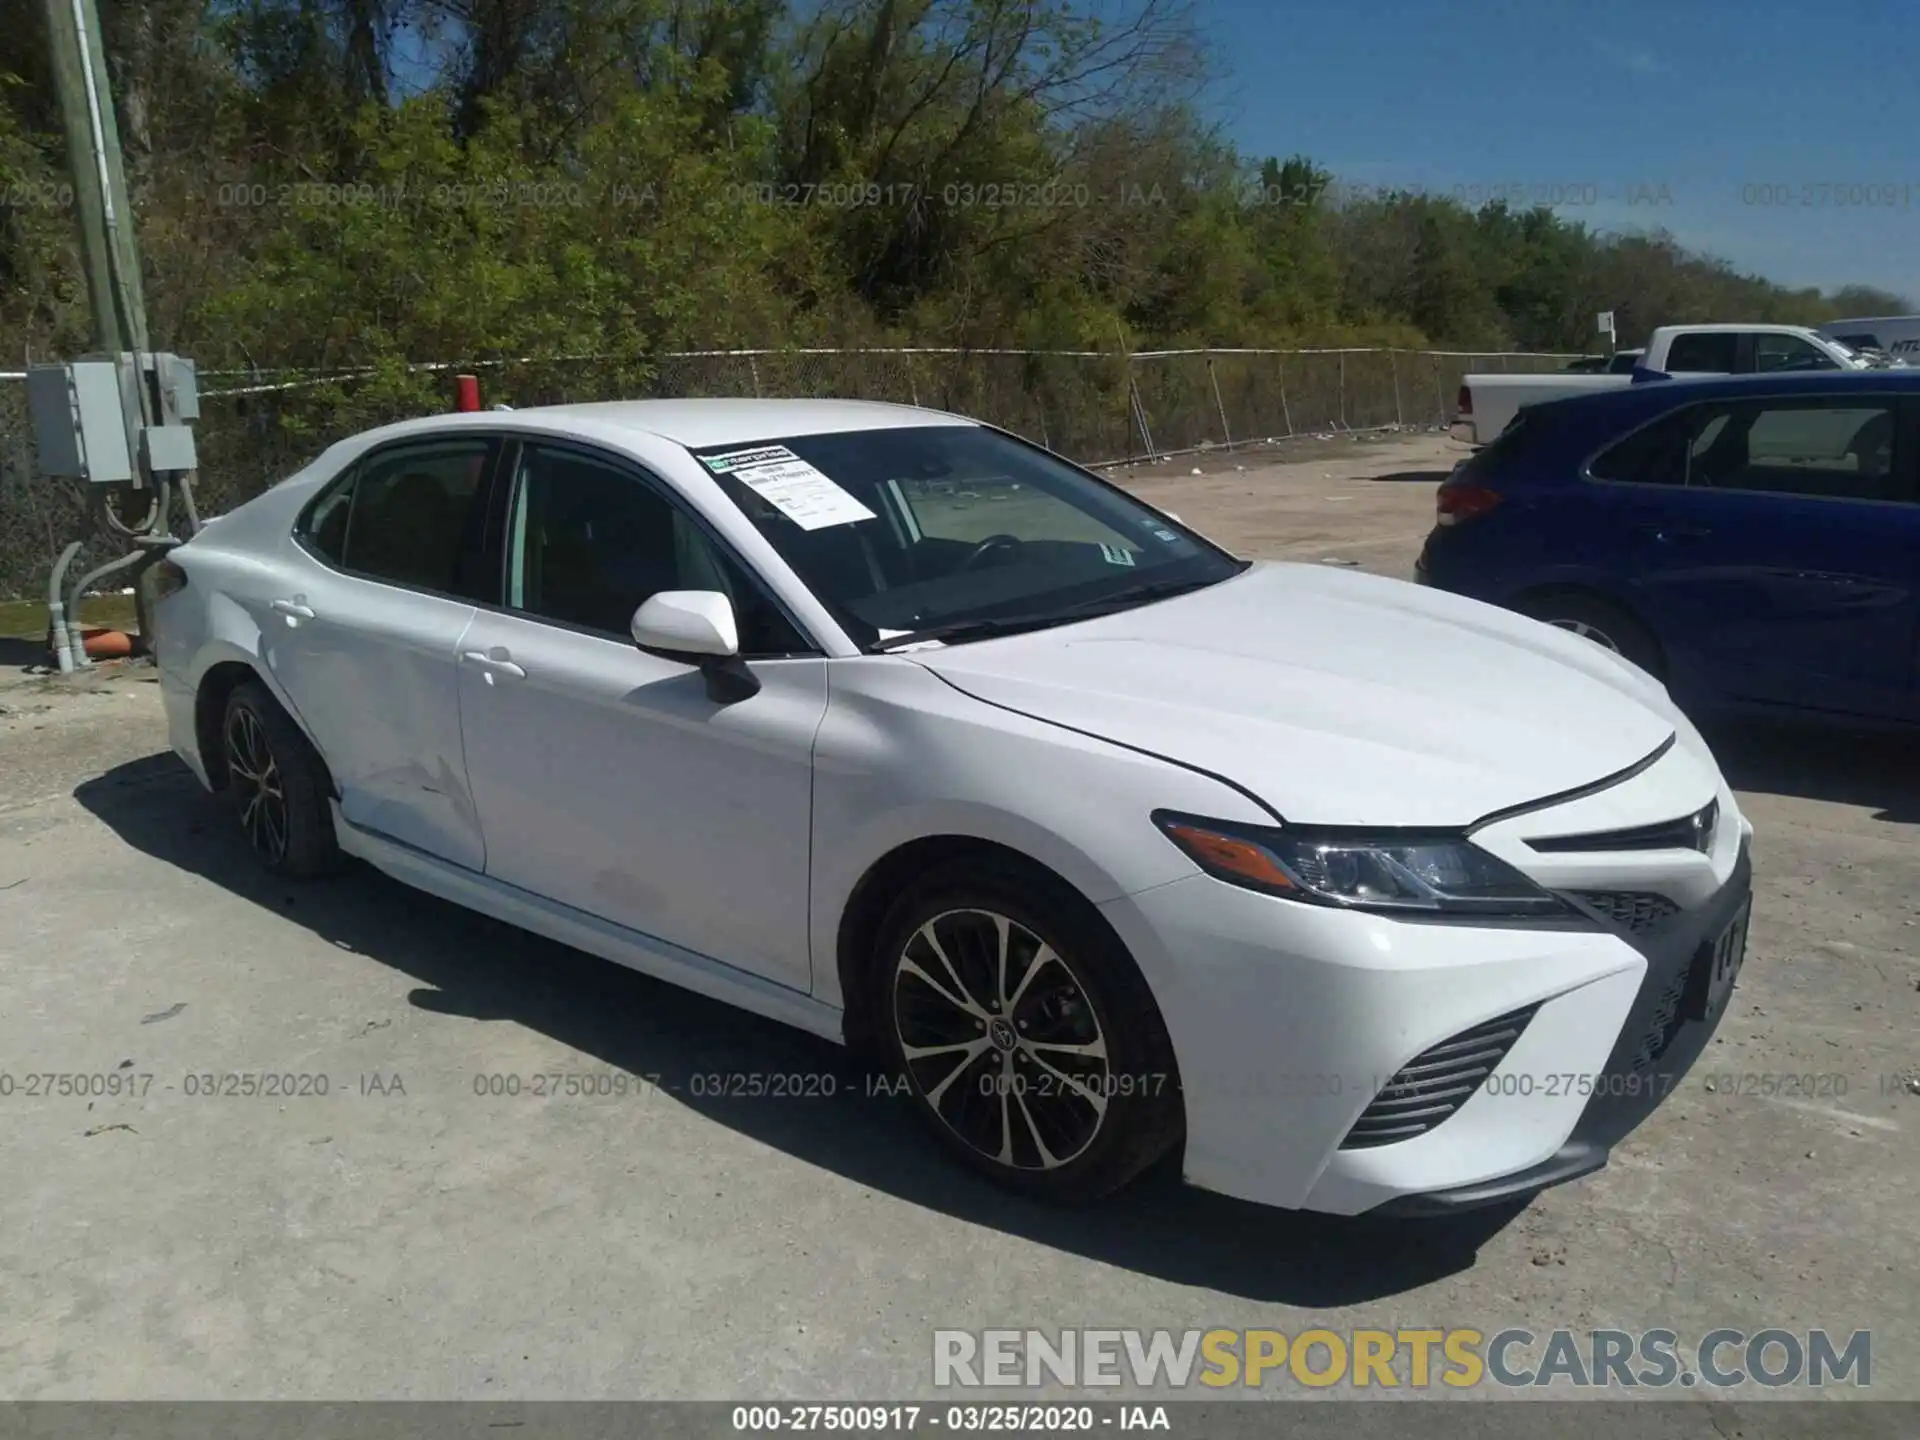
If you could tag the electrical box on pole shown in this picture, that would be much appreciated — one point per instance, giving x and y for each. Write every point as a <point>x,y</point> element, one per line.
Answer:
<point>86,417</point>
<point>79,425</point>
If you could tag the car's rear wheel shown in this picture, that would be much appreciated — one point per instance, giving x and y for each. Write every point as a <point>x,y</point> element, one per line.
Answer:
<point>1600,621</point>
<point>277,785</point>
<point>1028,1038</point>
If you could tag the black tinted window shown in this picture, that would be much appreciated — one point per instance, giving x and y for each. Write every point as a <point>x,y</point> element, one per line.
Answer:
<point>412,515</point>
<point>1711,352</point>
<point>325,530</point>
<point>1656,454</point>
<point>588,541</point>
<point>1842,448</point>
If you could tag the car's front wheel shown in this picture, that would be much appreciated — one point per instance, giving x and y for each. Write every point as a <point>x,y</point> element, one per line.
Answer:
<point>277,785</point>
<point>1028,1038</point>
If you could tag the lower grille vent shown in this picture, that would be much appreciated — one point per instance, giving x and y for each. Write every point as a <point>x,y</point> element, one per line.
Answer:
<point>1436,1082</point>
<point>1663,1024</point>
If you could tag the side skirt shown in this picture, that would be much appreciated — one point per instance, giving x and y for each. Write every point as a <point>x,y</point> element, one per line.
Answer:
<point>650,956</point>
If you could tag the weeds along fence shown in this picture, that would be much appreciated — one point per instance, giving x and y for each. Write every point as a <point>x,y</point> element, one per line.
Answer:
<point>1098,408</point>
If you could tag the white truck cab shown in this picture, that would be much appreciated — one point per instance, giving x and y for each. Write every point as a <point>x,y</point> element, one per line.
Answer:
<point>1486,403</point>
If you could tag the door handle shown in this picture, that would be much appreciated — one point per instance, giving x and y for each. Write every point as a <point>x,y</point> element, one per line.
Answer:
<point>494,663</point>
<point>296,608</point>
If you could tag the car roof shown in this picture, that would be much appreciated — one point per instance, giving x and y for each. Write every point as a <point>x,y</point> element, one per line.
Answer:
<point>695,422</point>
<point>1679,389</point>
<point>1768,327</point>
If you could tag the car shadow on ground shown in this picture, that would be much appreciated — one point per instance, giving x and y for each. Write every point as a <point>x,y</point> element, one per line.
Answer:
<point>1410,477</point>
<point>1878,770</point>
<point>480,969</point>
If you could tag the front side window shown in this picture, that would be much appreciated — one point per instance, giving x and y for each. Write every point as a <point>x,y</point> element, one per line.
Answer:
<point>411,515</point>
<point>920,528</point>
<point>1789,352</point>
<point>589,541</point>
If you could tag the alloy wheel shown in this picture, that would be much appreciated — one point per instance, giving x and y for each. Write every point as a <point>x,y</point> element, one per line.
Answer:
<point>254,776</point>
<point>1001,1040</point>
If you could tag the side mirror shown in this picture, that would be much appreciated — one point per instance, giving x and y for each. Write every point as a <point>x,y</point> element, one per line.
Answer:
<point>697,626</point>
<point>687,622</point>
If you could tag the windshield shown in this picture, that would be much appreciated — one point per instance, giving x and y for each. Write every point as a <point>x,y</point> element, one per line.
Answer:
<point>919,528</point>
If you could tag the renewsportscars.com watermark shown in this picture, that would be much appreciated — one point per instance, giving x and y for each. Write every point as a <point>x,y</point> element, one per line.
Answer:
<point>1400,1359</point>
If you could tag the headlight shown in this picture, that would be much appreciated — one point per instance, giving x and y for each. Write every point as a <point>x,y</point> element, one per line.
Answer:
<point>1409,874</point>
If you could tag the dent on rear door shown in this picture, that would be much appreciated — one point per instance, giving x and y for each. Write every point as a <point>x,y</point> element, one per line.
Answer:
<point>372,676</point>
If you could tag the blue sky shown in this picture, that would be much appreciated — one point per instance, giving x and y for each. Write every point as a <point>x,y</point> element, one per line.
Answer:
<point>1687,114</point>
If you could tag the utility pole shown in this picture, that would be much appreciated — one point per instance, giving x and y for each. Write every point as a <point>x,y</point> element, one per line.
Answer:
<point>110,256</point>
<point>157,395</point>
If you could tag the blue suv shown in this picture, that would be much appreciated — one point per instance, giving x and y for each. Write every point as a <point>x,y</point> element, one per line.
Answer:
<point>1754,542</point>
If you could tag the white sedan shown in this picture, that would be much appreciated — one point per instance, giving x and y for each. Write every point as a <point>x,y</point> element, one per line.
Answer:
<point>1349,894</point>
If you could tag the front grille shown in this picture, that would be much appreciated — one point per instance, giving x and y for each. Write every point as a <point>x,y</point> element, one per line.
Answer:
<point>1689,832</point>
<point>1663,1023</point>
<point>1636,911</point>
<point>1436,1082</point>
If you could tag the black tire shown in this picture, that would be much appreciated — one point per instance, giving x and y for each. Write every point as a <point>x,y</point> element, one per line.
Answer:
<point>277,785</point>
<point>1602,622</point>
<point>1038,1118</point>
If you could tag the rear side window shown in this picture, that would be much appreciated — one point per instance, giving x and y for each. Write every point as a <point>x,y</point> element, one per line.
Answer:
<point>1712,352</point>
<point>412,515</point>
<point>1655,454</point>
<point>1837,449</point>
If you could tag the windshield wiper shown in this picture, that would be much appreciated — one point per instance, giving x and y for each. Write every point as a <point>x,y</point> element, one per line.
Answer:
<point>988,627</point>
<point>984,629</point>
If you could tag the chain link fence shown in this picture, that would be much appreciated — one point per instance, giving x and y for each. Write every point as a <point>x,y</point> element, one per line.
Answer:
<point>1092,407</point>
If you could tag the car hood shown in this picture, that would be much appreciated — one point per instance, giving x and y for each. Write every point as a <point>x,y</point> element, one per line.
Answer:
<point>1336,697</point>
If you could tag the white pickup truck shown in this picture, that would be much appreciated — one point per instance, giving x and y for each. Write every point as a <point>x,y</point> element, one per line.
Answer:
<point>1486,403</point>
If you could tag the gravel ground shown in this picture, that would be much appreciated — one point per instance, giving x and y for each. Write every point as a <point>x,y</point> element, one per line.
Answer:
<point>403,1237</point>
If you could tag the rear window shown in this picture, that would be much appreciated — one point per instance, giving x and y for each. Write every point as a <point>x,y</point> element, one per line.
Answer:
<point>1521,438</point>
<point>1704,352</point>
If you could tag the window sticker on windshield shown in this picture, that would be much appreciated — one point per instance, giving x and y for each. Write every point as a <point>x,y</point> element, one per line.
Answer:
<point>1117,555</point>
<point>803,494</point>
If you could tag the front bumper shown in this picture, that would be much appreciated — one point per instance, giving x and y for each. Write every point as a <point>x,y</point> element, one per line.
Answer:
<point>1663,1036</point>
<point>1289,1019</point>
